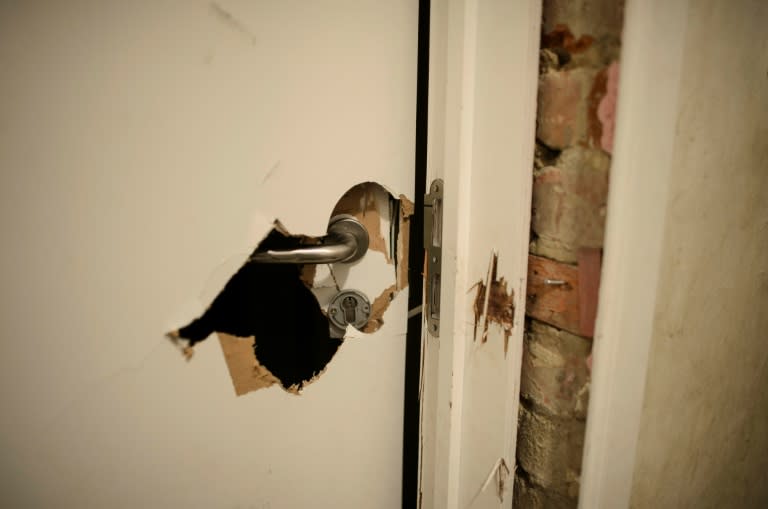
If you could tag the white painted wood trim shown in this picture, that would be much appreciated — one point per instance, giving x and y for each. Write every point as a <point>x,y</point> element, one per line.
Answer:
<point>652,55</point>
<point>482,102</point>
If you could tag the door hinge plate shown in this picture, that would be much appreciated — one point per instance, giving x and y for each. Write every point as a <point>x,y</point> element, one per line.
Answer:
<point>433,248</point>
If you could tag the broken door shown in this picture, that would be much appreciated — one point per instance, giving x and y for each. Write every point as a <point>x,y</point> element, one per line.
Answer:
<point>147,149</point>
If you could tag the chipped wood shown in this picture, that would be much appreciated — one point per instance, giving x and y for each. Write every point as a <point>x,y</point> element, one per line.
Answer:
<point>494,304</point>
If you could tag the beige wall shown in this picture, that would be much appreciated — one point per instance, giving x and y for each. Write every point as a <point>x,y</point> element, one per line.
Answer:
<point>704,429</point>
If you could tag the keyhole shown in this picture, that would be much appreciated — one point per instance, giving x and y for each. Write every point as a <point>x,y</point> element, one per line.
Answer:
<point>348,305</point>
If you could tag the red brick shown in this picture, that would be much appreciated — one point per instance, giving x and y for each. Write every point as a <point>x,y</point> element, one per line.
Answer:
<point>555,304</point>
<point>590,267</point>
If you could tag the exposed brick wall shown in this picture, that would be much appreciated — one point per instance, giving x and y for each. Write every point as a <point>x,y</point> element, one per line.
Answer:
<point>576,109</point>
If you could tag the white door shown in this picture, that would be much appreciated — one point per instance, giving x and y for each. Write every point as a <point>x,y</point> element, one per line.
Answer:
<point>146,147</point>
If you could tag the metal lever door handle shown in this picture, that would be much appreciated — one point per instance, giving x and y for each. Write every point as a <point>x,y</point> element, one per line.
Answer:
<point>346,241</point>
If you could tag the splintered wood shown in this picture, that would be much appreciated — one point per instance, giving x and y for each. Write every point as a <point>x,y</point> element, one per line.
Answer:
<point>494,304</point>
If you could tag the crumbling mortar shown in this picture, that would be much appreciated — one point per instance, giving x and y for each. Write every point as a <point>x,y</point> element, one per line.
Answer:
<point>532,406</point>
<point>549,451</point>
<point>544,156</point>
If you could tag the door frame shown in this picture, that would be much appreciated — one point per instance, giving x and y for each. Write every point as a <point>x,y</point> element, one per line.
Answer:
<point>640,169</point>
<point>483,77</point>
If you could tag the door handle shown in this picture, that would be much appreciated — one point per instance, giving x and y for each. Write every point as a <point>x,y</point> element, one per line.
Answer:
<point>346,241</point>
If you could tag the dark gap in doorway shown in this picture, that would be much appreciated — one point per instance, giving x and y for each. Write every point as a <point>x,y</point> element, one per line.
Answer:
<point>412,404</point>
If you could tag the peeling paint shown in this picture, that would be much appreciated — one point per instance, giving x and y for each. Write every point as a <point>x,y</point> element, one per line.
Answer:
<point>494,303</point>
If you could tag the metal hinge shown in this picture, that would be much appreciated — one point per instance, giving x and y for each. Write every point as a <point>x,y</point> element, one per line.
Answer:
<point>433,247</point>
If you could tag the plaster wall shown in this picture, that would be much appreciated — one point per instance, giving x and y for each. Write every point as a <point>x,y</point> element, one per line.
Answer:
<point>704,429</point>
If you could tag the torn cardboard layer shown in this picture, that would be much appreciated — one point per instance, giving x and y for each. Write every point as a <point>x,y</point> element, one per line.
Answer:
<point>245,369</point>
<point>271,326</point>
<point>270,303</point>
<point>403,241</point>
<point>387,220</point>
<point>378,307</point>
<point>494,304</point>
